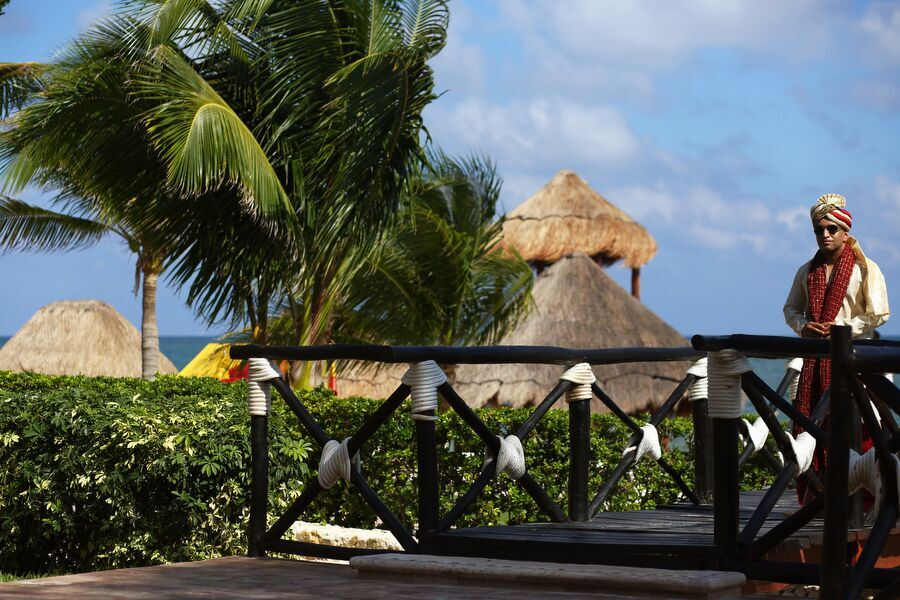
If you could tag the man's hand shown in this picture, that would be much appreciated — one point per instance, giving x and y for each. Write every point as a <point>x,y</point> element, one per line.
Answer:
<point>816,330</point>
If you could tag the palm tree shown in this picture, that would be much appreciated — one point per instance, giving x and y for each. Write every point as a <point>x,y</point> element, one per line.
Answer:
<point>440,277</point>
<point>300,123</point>
<point>75,131</point>
<point>281,133</point>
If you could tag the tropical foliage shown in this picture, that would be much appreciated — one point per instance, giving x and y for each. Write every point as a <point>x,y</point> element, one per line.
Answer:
<point>301,122</point>
<point>440,278</point>
<point>267,155</point>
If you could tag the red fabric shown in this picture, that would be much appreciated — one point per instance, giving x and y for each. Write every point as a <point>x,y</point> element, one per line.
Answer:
<point>237,373</point>
<point>843,215</point>
<point>825,299</point>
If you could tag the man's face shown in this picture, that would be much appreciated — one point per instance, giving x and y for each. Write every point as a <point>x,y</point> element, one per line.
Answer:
<point>829,236</point>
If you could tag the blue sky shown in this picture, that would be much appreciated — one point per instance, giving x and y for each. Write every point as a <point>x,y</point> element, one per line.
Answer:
<point>715,124</point>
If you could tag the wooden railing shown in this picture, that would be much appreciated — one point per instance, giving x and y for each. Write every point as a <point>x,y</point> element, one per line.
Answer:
<point>857,384</point>
<point>855,368</point>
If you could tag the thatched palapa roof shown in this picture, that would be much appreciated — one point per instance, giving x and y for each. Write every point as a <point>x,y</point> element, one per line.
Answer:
<point>577,305</point>
<point>566,216</point>
<point>359,378</point>
<point>77,337</point>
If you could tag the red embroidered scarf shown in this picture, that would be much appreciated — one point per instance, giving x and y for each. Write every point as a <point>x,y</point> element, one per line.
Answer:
<point>825,300</point>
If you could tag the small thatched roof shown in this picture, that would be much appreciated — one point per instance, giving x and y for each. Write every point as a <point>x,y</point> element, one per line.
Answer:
<point>577,305</point>
<point>77,337</point>
<point>566,216</point>
<point>369,380</point>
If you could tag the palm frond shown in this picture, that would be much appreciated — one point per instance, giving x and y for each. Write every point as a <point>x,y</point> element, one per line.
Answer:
<point>18,84</point>
<point>425,24</point>
<point>203,141</point>
<point>25,227</point>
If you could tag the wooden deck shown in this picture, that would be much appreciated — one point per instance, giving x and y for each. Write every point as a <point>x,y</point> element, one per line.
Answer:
<point>242,578</point>
<point>676,536</point>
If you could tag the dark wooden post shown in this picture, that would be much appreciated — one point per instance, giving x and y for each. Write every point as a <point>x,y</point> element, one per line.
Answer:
<point>703,451</point>
<point>579,458</point>
<point>426,453</point>
<point>636,282</point>
<point>837,504</point>
<point>725,487</point>
<point>259,483</point>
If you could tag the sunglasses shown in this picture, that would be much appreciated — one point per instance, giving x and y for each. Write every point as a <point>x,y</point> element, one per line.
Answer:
<point>832,229</point>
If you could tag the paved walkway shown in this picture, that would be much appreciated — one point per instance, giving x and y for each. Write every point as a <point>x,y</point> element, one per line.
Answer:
<point>251,578</point>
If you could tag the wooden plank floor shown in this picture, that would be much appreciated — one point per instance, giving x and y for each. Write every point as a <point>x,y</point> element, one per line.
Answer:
<point>240,578</point>
<point>676,536</point>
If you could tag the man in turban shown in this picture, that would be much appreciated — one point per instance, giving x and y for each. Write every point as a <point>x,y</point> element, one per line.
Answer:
<point>839,286</point>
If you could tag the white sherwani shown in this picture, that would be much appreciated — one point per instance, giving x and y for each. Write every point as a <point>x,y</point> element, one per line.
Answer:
<point>865,305</point>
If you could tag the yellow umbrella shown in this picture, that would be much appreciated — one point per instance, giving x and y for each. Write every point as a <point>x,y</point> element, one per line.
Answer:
<point>212,361</point>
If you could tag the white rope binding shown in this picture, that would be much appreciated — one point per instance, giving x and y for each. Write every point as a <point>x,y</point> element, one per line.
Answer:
<point>864,474</point>
<point>581,375</point>
<point>804,447</point>
<point>795,364</point>
<point>511,457</point>
<point>755,434</point>
<point>423,378</point>
<point>699,390</point>
<point>724,373</point>
<point>334,464</point>
<point>259,374</point>
<point>647,444</point>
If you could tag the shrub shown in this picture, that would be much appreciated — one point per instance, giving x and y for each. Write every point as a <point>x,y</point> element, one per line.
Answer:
<point>105,472</point>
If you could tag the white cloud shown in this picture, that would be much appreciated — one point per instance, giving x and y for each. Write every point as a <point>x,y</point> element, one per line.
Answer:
<point>881,25</point>
<point>459,65</point>
<point>712,238</point>
<point>541,132</point>
<point>85,18</point>
<point>658,34</point>
<point>887,193</point>
<point>793,218</point>
<point>700,216</point>
<point>645,203</point>
<point>882,95</point>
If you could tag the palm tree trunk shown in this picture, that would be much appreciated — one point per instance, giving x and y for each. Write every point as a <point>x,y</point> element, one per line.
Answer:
<point>149,329</point>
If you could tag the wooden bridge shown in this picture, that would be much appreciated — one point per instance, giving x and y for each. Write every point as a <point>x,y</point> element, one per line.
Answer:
<point>733,533</point>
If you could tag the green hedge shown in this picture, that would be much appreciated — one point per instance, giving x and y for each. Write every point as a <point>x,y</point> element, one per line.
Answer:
<point>103,472</point>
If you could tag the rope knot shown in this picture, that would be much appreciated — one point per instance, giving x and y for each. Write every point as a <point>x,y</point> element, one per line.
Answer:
<point>259,374</point>
<point>699,390</point>
<point>647,444</point>
<point>756,434</point>
<point>511,457</point>
<point>423,378</point>
<point>865,474</point>
<point>581,375</point>
<point>724,373</point>
<point>803,447</point>
<point>335,463</point>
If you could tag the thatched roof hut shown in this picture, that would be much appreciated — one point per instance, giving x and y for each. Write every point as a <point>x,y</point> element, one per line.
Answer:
<point>566,216</point>
<point>577,305</point>
<point>359,378</point>
<point>77,337</point>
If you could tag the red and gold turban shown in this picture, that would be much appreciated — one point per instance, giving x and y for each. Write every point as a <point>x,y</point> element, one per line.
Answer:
<point>831,207</point>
